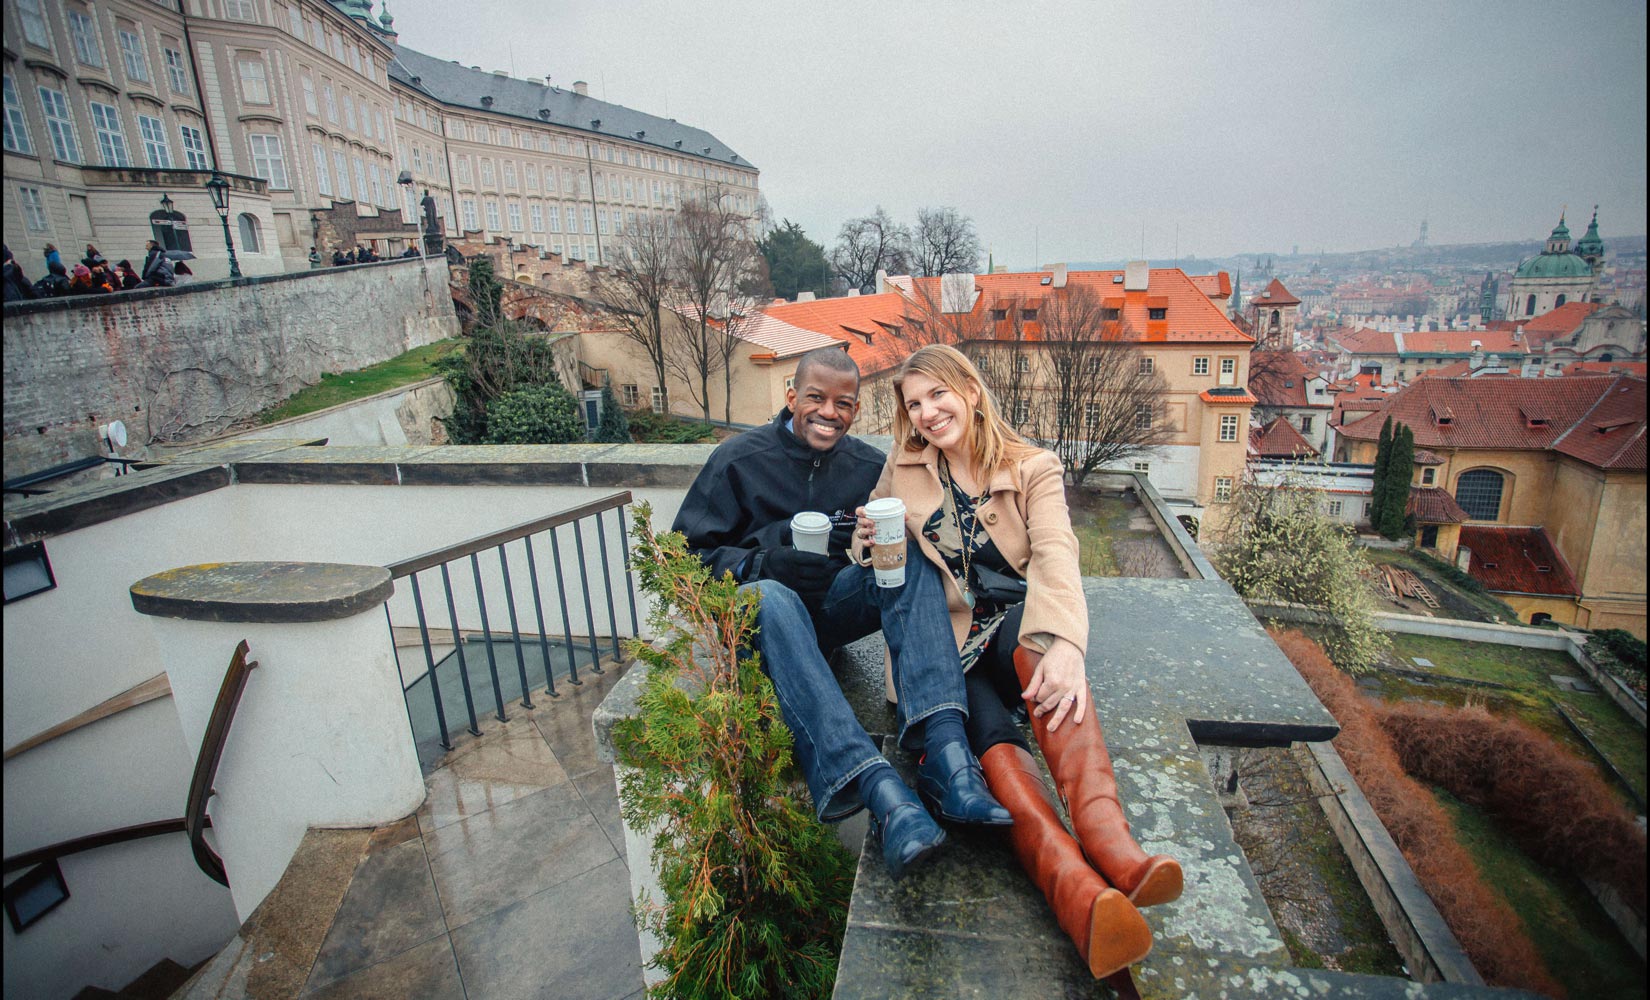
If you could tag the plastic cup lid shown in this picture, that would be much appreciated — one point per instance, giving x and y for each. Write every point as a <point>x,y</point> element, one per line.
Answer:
<point>886,507</point>
<point>810,520</point>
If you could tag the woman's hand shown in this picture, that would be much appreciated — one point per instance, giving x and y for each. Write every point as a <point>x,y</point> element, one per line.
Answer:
<point>1059,685</point>
<point>863,533</point>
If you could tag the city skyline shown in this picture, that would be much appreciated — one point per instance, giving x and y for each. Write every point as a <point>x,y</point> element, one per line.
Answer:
<point>1194,134</point>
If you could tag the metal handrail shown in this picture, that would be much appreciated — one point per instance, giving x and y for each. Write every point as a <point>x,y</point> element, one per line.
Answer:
<point>206,763</point>
<point>430,560</point>
<point>195,822</point>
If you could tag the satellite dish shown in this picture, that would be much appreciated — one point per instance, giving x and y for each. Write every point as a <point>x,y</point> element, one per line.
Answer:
<point>114,433</point>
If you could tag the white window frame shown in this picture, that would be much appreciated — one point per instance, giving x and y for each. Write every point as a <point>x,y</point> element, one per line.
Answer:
<point>110,133</point>
<point>495,223</point>
<point>1148,364</point>
<point>461,167</point>
<point>487,175</point>
<point>471,221</point>
<point>295,20</point>
<point>307,84</point>
<point>512,209</point>
<point>1228,427</point>
<point>33,18</point>
<point>323,176</point>
<point>658,399</point>
<point>329,100</point>
<point>156,149</point>
<point>509,173</point>
<point>1144,416</point>
<point>254,77</point>
<point>1223,489</point>
<point>34,209</point>
<point>240,10</point>
<point>54,107</point>
<point>133,56</point>
<point>555,217</point>
<point>269,159</point>
<point>18,139</point>
<point>1335,508</point>
<point>88,47</point>
<point>177,74</point>
<point>1144,468</point>
<point>1200,366</point>
<point>1228,371</point>
<point>340,170</point>
<point>194,147</point>
<point>349,112</point>
<point>535,216</point>
<point>630,394</point>
<point>530,176</point>
<point>362,192</point>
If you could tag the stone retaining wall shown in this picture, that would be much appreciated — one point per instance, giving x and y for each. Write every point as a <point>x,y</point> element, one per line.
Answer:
<point>183,363</point>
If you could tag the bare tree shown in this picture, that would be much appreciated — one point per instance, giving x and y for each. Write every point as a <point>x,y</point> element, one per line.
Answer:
<point>944,242</point>
<point>1005,360</point>
<point>638,286</point>
<point>1101,397</point>
<point>717,260</point>
<point>870,244</point>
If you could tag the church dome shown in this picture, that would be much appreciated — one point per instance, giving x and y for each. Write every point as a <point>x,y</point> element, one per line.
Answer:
<point>1554,265</point>
<point>1590,245</point>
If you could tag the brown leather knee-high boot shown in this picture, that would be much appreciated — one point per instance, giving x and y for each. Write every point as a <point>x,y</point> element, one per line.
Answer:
<point>1109,932</point>
<point>1081,766</point>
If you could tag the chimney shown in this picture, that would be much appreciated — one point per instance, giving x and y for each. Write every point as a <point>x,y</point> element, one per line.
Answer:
<point>956,293</point>
<point>804,296</point>
<point>852,293</point>
<point>535,81</point>
<point>1136,276</point>
<point>882,281</point>
<point>1059,276</point>
<point>502,73</point>
<point>581,88</point>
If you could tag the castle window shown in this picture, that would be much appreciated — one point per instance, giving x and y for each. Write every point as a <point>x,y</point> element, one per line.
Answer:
<point>1529,306</point>
<point>1562,298</point>
<point>1478,491</point>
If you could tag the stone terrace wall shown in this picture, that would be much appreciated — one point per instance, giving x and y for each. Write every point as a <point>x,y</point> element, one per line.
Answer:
<point>181,364</point>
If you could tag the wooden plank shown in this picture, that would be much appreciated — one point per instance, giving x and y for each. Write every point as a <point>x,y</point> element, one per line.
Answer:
<point>155,687</point>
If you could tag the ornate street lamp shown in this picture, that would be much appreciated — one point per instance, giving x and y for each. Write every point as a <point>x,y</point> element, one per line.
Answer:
<point>166,204</point>
<point>218,188</point>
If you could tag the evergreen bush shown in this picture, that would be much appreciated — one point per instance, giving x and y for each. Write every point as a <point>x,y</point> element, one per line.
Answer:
<point>754,889</point>
<point>496,360</point>
<point>1395,519</point>
<point>486,293</point>
<point>658,428</point>
<point>1377,492</point>
<point>534,414</point>
<point>614,427</point>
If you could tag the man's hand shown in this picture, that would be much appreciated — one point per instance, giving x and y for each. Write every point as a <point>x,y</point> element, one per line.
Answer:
<point>808,573</point>
<point>842,533</point>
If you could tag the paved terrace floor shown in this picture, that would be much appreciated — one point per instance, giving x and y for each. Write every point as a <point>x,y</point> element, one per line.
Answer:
<point>509,883</point>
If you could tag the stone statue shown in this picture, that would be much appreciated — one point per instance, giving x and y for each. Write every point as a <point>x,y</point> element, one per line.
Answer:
<point>431,226</point>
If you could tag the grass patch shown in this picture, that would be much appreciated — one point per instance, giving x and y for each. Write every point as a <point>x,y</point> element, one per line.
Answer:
<point>1528,672</point>
<point>1567,926</point>
<point>414,366</point>
<point>1098,520</point>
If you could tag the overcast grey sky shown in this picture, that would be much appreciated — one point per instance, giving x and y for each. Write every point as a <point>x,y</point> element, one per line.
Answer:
<point>1065,128</point>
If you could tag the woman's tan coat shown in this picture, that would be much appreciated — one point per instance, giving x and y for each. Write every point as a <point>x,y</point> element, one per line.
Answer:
<point>1027,518</point>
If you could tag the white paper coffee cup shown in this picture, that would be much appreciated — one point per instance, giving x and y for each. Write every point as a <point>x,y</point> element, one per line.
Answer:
<point>888,543</point>
<point>811,532</point>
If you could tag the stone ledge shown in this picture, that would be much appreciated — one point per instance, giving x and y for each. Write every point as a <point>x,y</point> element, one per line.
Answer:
<point>274,592</point>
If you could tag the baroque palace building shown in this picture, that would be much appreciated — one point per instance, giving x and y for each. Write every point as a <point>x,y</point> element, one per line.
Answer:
<point>310,107</point>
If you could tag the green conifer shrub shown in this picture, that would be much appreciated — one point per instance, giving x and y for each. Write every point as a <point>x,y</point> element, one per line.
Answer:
<point>754,889</point>
<point>614,427</point>
<point>534,414</point>
<point>1394,523</point>
<point>496,360</point>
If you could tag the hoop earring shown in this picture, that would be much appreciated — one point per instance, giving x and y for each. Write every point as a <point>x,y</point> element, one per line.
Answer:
<point>979,415</point>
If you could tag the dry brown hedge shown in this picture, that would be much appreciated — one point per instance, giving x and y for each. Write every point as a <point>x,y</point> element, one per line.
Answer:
<point>1556,807</point>
<point>1486,926</point>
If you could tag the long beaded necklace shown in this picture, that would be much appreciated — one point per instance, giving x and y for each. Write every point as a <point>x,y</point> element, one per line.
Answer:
<point>973,531</point>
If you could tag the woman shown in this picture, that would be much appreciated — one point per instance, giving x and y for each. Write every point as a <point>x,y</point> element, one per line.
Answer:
<point>93,258</point>
<point>129,278</point>
<point>989,509</point>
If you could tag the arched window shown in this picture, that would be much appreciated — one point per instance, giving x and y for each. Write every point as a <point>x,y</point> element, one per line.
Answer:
<point>1529,306</point>
<point>1478,491</point>
<point>251,235</point>
<point>1562,298</point>
<point>170,229</point>
<point>1276,315</point>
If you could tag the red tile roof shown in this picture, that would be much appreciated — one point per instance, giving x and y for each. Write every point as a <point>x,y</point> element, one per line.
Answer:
<point>1278,378</point>
<point>1560,322</point>
<point>1433,505</point>
<point>1192,317</point>
<point>1276,295</point>
<point>1517,561</point>
<point>1280,439</point>
<point>1366,341</point>
<point>1596,420</point>
<point>1606,368</point>
<point>1230,396</point>
<point>1216,286</point>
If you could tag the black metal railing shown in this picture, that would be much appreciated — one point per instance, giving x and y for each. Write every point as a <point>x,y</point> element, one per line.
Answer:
<point>488,560</point>
<point>195,822</point>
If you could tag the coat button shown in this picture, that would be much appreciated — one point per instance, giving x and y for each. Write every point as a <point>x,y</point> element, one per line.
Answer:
<point>991,517</point>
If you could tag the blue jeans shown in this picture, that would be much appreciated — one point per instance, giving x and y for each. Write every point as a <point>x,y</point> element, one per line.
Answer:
<point>832,747</point>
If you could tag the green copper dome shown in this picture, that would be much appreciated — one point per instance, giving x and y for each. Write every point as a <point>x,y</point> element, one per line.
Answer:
<point>1554,265</point>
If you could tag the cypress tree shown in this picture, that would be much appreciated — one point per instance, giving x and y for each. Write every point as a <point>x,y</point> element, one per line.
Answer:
<point>1400,469</point>
<point>614,426</point>
<point>1377,492</point>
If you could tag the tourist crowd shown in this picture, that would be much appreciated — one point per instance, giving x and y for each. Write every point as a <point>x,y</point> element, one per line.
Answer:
<point>93,275</point>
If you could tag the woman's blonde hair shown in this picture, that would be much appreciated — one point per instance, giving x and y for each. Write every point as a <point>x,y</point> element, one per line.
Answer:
<point>992,443</point>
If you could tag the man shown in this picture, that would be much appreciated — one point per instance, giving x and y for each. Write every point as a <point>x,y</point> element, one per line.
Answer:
<point>157,270</point>
<point>737,516</point>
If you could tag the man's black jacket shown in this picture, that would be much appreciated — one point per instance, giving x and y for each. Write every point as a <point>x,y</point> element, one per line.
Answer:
<point>746,495</point>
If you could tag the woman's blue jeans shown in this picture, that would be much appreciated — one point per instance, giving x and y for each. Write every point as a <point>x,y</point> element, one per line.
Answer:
<point>832,747</point>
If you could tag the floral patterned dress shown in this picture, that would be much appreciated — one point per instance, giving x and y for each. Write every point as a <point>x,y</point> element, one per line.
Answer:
<point>947,530</point>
